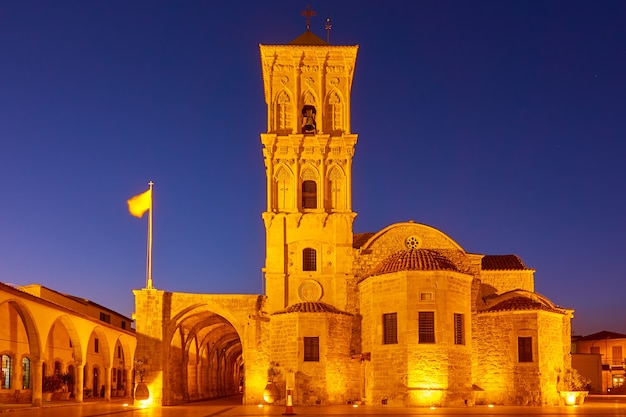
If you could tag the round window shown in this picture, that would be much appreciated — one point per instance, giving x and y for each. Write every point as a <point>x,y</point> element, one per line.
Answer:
<point>412,242</point>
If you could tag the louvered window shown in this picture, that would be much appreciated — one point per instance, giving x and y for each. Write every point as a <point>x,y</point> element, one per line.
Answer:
<point>311,349</point>
<point>525,349</point>
<point>390,328</point>
<point>426,322</point>
<point>459,329</point>
<point>309,194</point>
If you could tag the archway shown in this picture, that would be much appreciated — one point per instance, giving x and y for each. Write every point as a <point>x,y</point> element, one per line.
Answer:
<point>205,358</point>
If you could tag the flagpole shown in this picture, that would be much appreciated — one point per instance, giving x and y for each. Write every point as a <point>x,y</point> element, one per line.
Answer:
<point>149,250</point>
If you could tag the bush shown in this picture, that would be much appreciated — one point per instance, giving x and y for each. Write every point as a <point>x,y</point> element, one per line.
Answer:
<point>571,380</point>
<point>52,383</point>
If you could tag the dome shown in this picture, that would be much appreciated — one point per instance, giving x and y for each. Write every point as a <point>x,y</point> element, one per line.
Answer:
<point>311,307</point>
<point>415,260</point>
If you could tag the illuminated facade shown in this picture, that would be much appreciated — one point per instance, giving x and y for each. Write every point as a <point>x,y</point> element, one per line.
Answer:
<point>45,333</point>
<point>601,357</point>
<point>403,316</point>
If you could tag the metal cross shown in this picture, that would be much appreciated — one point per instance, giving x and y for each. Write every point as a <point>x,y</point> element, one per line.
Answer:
<point>328,28</point>
<point>308,13</point>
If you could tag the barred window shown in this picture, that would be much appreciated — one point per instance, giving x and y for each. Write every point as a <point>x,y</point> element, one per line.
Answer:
<point>311,349</point>
<point>309,194</point>
<point>459,329</point>
<point>390,328</point>
<point>426,322</point>
<point>525,349</point>
<point>309,259</point>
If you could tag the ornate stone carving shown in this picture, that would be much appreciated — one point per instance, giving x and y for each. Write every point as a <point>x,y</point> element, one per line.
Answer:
<point>310,290</point>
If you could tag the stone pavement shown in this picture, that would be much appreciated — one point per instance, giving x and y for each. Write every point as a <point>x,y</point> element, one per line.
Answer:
<point>594,406</point>
<point>5,408</point>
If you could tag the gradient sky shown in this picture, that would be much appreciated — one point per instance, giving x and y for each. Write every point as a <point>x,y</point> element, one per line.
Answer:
<point>501,123</point>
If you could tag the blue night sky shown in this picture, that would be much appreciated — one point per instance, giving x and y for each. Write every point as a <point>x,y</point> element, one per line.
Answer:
<point>501,123</point>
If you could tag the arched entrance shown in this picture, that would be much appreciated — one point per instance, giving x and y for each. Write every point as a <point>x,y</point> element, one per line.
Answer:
<point>205,358</point>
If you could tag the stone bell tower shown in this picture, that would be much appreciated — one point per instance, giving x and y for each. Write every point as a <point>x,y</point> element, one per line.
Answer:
<point>308,151</point>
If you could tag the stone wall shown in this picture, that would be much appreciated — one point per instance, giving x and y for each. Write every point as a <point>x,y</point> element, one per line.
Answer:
<point>410,373</point>
<point>500,376</point>
<point>335,378</point>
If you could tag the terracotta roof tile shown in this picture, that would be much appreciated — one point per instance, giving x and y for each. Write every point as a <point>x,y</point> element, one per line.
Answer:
<point>415,260</point>
<point>311,307</point>
<point>502,263</point>
<point>523,303</point>
<point>359,239</point>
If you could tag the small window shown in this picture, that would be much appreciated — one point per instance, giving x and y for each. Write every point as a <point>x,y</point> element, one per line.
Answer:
<point>309,194</point>
<point>119,351</point>
<point>390,328</point>
<point>6,372</point>
<point>25,373</point>
<point>96,347</point>
<point>426,322</point>
<point>426,296</point>
<point>459,329</point>
<point>105,317</point>
<point>309,259</point>
<point>525,349</point>
<point>311,349</point>
<point>123,325</point>
<point>57,368</point>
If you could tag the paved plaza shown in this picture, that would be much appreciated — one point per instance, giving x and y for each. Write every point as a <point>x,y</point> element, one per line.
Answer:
<point>594,406</point>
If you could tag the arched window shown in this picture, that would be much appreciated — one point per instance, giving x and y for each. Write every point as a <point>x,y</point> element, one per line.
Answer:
<point>6,372</point>
<point>309,194</point>
<point>309,259</point>
<point>282,193</point>
<point>335,112</point>
<point>335,193</point>
<point>26,373</point>
<point>283,111</point>
<point>309,126</point>
<point>57,368</point>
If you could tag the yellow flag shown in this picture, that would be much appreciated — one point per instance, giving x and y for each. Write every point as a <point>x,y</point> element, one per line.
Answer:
<point>140,203</point>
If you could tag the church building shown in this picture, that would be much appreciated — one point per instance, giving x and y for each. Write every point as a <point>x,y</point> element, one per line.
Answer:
<point>403,316</point>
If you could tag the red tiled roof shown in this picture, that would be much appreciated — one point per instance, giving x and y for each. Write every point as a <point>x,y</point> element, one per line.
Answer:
<point>523,303</point>
<point>502,263</point>
<point>359,239</point>
<point>415,260</point>
<point>311,307</point>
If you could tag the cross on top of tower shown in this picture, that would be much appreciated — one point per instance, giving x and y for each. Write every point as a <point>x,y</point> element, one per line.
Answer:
<point>308,13</point>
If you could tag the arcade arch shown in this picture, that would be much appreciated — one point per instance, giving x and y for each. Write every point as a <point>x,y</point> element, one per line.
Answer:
<point>205,357</point>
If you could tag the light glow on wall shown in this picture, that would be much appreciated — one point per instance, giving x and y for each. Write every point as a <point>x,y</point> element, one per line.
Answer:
<point>427,397</point>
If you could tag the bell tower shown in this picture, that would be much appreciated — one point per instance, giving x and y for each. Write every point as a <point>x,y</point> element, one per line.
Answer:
<point>308,149</point>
